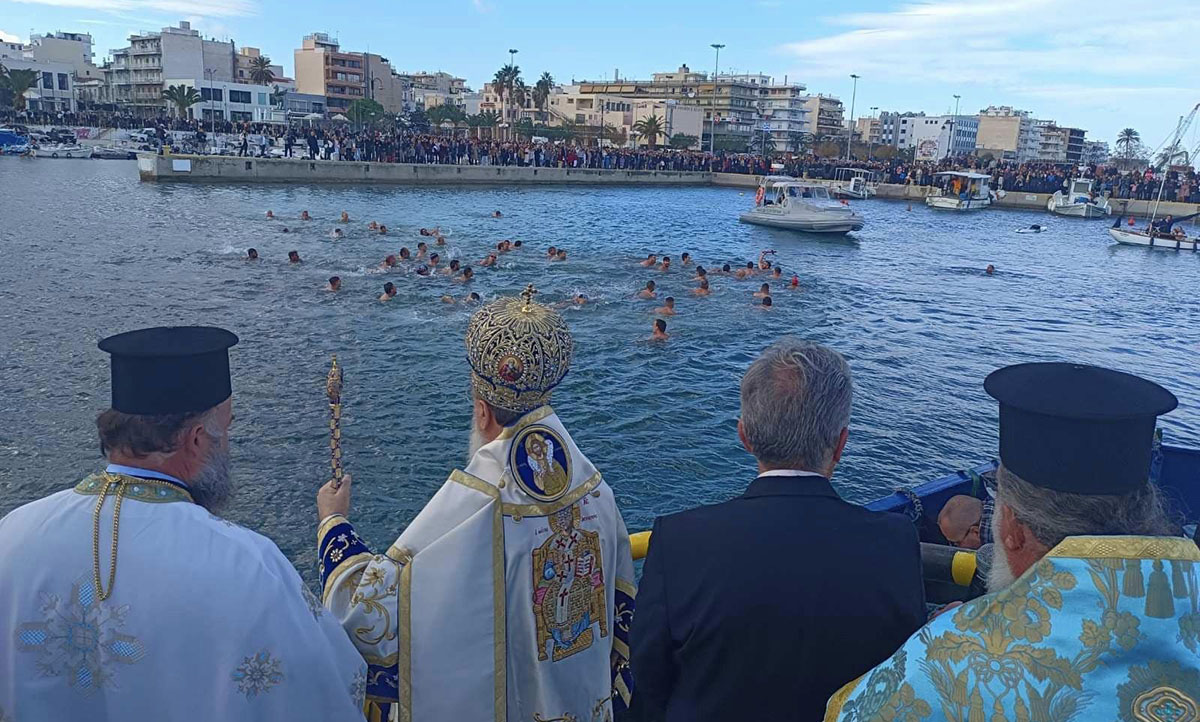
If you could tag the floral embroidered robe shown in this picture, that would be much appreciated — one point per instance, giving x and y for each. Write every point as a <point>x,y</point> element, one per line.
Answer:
<point>1102,628</point>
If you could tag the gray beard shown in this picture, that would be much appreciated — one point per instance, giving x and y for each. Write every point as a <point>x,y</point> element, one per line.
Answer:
<point>1000,576</point>
<point>475,441</point>
<point>212,486</point>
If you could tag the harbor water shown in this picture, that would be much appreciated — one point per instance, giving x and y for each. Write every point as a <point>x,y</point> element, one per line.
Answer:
<point>87,251</point>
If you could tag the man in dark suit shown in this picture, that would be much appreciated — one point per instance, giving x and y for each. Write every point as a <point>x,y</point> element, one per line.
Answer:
<point>763,606</point>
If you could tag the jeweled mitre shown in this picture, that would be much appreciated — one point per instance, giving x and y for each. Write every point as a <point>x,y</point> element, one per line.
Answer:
<point>519,351</point>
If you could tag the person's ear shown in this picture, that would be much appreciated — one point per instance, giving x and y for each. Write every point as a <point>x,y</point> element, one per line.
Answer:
<point>742,437</point>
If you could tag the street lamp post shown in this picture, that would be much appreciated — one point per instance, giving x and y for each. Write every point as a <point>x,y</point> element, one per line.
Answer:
<point>209,73</point>
<point>853,97</point>
<point>512,63</point>
<point>871,133</point>
<point>712,131</point>
<point>953,125</point>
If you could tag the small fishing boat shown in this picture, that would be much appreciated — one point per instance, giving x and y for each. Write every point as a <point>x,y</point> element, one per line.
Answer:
<point>961,191</point>
<point>1079,201</point>
<point>855,183</point>
<point>63,151</point>
<point>784,202</point>
<point>1154,239</point>
<point>111,152</point>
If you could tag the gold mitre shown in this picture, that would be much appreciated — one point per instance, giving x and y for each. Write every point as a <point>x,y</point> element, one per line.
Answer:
<point>519,351</point>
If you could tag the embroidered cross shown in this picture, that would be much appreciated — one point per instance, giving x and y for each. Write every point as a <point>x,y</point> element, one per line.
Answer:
<point>528,294</point>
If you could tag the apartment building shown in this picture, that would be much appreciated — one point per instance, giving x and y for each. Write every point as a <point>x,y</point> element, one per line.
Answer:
<point>244,66</point>
<point>137,72</point>
<point>322,68</point>
<point>824,119</point>
<point>783,109</point>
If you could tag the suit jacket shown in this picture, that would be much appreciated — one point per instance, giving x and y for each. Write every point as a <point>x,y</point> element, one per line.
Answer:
<point>765,605</point>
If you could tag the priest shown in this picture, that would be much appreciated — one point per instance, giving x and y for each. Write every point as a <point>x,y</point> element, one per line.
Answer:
<point>128,598</point>
<point>1093,611</point>
<point>509,596</point>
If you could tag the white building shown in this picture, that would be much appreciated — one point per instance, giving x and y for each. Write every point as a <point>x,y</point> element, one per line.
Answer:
<point>235,102</point>
<point>138,72</point>
<point>1095,152</point>
<point>55,89</point>
<point>784,110</point>
<point>939,136</point>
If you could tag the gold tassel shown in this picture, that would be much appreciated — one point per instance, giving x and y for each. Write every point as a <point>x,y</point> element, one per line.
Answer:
<point>1022,711</point>
<point>1179,570</point>
<point>1159,604</point>
<point>975,711</point>
<point>1131,585</point>
<point>998,712</point>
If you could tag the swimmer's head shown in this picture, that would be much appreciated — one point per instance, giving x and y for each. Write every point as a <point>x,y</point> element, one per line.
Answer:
<point>304,215</point>
<point>270,214</point>
<point>701,272</point>
<point>500,246</point>
<point>764,288</point>
<point>434,258</point>
<point>651,257</point>
<point>382,229</point>
<point>725,268</point>
<point>405,253</point>
<point>767,301</point>
<point>649,285</point>
<point>795,280</point>
<point>562,254</point>
<point>778,271</point>
<point>252,254</point>
<point>516,244</point>
<point>553,251</point>
<point>454,264</point>
<point>422,270</point>
<point>750,264</point>
<point>473,297</point>
<point>421,246</point>
<point>670,302</point>
<point>685,257</point>
<point>345,216</point>
<point>285,229</point>
<point>990,269</point>
<point>390,260</point>
<point>468,273</point>
<point>389,288</point>
<point>580,299</point>
<point>660,325</point>
<point>335,282</point>
<point>294,256</point>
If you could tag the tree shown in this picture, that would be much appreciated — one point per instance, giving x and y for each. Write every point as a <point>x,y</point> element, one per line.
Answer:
<point>364,110</point>
<point>439,114</point>
<point>182,97</point>
<point>730,144</point>
<point>885,152</point>
<point>260,70</point>
<point>486,119</point>
<point>828,149</point>
<point>1127,141</point>
<point>649,128</point>
<point>682,141</point>
<point>541,93</point>
<point>799,142</point>
<point>18,82</point>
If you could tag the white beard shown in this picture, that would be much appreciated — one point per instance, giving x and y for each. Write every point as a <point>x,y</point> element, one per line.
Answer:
<point>212,487</point>
<point>475,441</point>
<point>1000,576</point>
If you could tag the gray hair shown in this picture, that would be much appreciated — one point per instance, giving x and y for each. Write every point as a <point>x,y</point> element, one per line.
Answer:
<point>1055,515</point>
<point>143,435</point>
<point>795,402</point>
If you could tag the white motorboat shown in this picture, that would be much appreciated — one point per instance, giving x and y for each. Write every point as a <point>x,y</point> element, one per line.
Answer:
<point>63,151</point>
<point>112,152</point>
<point>784,202</point>
<point>961,191</point>
<point>1154,240</point>
<point>1079,201</point>
<point>855,183</point>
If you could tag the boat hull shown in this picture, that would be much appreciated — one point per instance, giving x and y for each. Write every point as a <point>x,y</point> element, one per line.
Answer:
<point>1138,238</point>
<point>1080,210</point>
<point>816,225</point>
<point>64,152</point>
<point>947,203</point>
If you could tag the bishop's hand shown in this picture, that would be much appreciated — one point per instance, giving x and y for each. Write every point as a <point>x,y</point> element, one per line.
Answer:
<point>334,498</point>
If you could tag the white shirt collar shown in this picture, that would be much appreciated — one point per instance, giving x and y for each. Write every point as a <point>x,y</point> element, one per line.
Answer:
<point>789,472</point>
<point>144,473</point>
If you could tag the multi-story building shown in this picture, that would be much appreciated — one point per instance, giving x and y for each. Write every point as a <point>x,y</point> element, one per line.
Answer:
<point>571,104</point>
<point>137,72</point>
<point>1052,142</point>
<point>52,55</point>
<point>55,89</point>
<point>940,136</point>
<point>322,68</point>
<point>1007,134</point>
<point>1076,138</point>
<point>232,101</point>
<point>869,129</point>
<point>1095,152</point>
<point>824,119</point>
<point>244,66</point>
<point>894,128</point>
<point>427,90</point>
<point>783,109</point>
<point>75,49</point>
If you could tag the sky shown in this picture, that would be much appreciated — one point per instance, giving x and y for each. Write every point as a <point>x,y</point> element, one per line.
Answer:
<point>1102,66</point>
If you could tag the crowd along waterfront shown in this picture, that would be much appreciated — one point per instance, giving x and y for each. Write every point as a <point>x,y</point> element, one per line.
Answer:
<point>906,299</point>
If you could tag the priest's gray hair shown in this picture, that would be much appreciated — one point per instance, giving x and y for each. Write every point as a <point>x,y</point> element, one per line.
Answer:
<point>142,435</point>
<point>1055,515</point>
<point>795,402</point>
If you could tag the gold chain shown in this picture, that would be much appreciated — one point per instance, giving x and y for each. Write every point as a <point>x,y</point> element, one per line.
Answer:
<point>101,595</point>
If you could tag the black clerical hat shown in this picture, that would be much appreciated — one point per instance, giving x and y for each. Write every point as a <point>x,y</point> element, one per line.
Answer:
<point>1081,429</point>
<point>169,370</point>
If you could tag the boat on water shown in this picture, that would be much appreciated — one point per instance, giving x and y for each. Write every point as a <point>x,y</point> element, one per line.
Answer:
<point>950,572</point>
<point>1154,239</point>
<point>13,142</point>
<point>961,191</point>
<point>63,151</point>
<point>784,202</point>
<point>855,183</point>
<point>1080,201</point>
<point>112,152</point>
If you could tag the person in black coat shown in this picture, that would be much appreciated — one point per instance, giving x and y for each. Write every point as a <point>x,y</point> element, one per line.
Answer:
<point>763,606</point>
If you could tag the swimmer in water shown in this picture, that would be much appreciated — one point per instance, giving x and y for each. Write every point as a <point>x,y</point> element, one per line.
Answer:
<point>725,269</point>
<point>745,272</point>
<point>666,264</point>
<point>285,229</point>
<point>764,291</point>
<point>270,215</point>
<point>701,273</point>
<point>579,299</point>
<point>335,283</point>
<point>648,291</point>
<point>686,259</point>
<point>795,284</point>
<point>389,291</point>
<point>501,248</point>
<point>489,261</point>
<point>552,252</point>
<point>763,263</point>
<point>293,257</point>
<point>496,214</point>
<point>651,261</point>
<point>372,226</point>
<point>252,254</point>
<point>304,216</point>
<point>472,298</point>
<point>434,259</point>
<point>562,255</point>
<point>425,232</point>
<point>389,262</point>
<point>422,249</point>
<point>454,264</point>
<point>467,275</point>
<point>660,331</point>
<point>668,307</point>
<point>766,304</point>
<point>405,254</point>
<point>703,289</point>
<point>777,272</point>
<point>382,230</point>
<point>336,234</point>
<point>439,240</point>
<point>516,245</point>
<point>422,270</point>
<point>990,269</point>
<point>345,217</point>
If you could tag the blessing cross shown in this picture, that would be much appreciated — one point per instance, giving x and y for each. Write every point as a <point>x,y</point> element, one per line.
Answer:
<point>528,294</point>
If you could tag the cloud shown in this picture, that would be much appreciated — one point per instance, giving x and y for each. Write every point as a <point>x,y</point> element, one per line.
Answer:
<point>482,6</point>
<point>8,37</point>
<point>209,8</point>
<point>1013,52</point>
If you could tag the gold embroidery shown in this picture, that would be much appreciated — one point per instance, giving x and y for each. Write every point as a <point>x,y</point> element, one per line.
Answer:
<point>330,522</point>
<point>331,580</point>
<point>533,462</point>
<point>833,709</point>
<point>404,663</point>
<point>1127,547</point>
<point>568,587</point>
<point>531,418</point>
<point>499,605</point>
<point>474,482</point>
<point>1164,704</point>
<point>568,499</point>
<point>151,491</point>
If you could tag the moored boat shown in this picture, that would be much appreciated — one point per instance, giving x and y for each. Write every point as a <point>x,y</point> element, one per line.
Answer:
<point>63,151</point>
<point>1168,242</point>
<point>1080,201</point>
<point>110,152</point>
<point>855,183</point>
<point>960,191</point>
<point>784,202</point>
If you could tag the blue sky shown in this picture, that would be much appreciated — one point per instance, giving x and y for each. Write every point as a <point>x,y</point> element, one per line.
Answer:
<point>1102,66</point>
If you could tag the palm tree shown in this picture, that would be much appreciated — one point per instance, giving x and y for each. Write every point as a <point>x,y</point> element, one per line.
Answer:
<point>1127,141</point>
<point>541,93</point>
<point>182,97</point>
<point>260,70</point>
<point>519,93</point>
<point>18,82</point>
<point>649,128</point>
<point>486,119</point>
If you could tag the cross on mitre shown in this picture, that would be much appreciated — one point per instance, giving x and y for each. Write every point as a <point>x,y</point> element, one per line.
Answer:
<point>528,294</point>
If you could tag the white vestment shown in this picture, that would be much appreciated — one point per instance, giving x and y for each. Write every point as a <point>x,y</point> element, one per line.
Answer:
<point>205,620</point>
<point>509,597</point>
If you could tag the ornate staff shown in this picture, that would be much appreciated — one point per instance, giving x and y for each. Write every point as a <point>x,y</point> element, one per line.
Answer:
<point>333,389</point>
